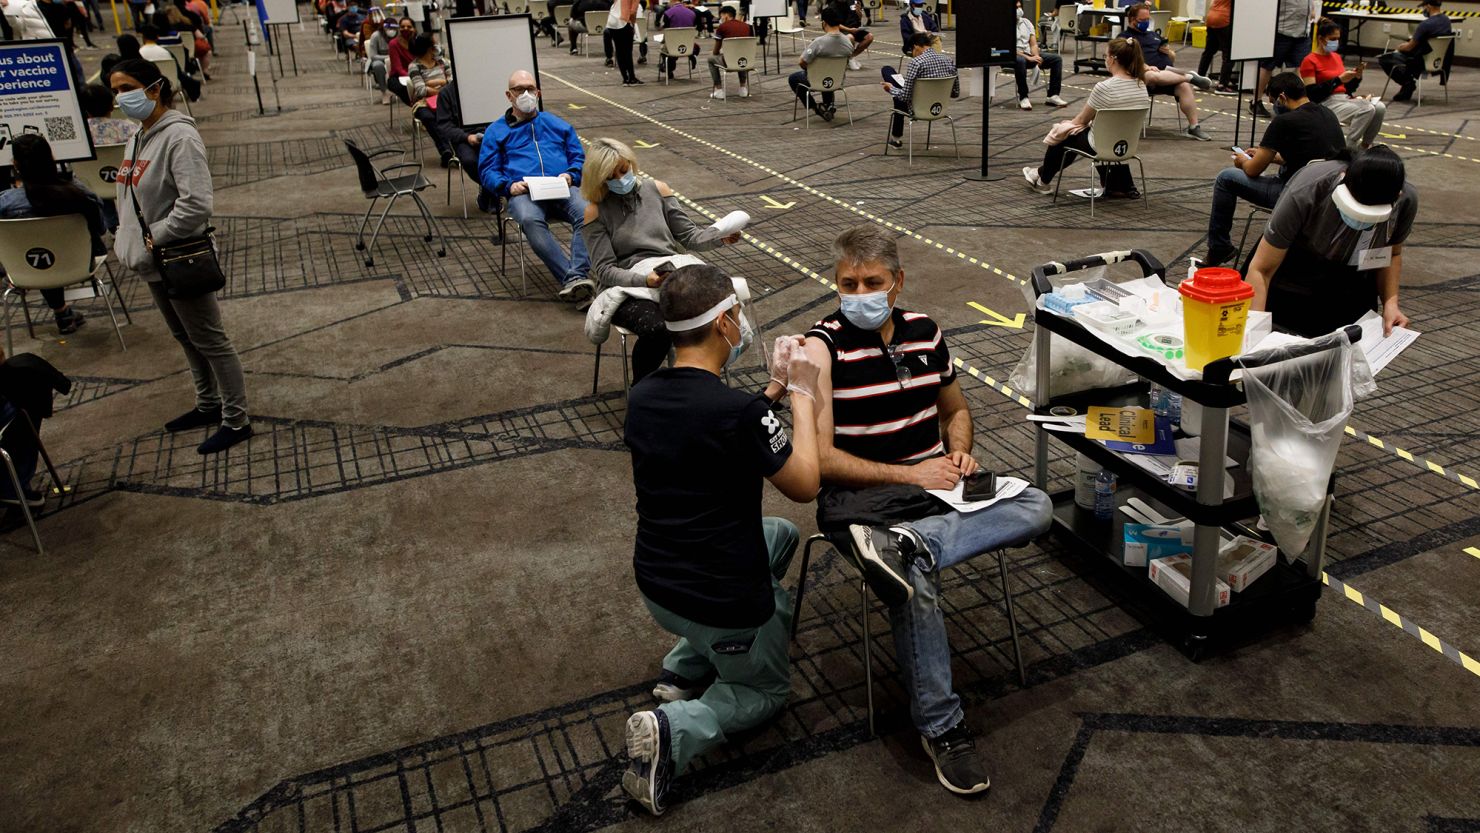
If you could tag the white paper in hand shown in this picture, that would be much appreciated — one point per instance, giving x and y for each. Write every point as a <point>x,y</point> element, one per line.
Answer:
<point>1006,487</point>
<point>897,80</point>
<point>547,187</point>
<point>731,223</point>
<point>1382,349</point>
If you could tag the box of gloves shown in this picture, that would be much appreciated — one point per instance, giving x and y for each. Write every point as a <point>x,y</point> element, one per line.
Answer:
<point>1174,575</point>
<point>1244,559</point>
<point>1145,543</point>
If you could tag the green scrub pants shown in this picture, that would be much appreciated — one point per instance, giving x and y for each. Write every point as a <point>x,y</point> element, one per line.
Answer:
<point>752,664</point>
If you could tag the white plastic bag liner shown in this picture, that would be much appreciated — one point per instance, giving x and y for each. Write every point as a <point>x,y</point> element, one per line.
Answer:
<point>1298,408</point>
<point>1073,368</point>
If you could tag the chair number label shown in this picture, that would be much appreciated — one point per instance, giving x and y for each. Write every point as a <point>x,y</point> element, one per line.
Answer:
<point>40,258</point>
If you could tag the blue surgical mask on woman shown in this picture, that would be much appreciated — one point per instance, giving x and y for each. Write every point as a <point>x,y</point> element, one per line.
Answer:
<point>1353,222</point>
<point>1143,25</point>
<point>624,185</point>
<point>1332,46</point>
<point>867,311</point>
<point>136,104</point>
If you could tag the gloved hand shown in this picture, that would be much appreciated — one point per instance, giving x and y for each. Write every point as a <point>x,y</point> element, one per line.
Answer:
<point>804,374</point>
<point>781,357</point>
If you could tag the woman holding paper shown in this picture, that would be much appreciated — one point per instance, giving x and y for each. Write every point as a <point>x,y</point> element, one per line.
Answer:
<point>636,232</point>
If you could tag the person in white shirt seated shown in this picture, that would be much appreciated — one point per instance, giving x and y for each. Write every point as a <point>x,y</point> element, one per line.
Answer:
<point>1027,54</point>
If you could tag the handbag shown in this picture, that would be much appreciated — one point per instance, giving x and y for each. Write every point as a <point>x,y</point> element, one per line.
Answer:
<point>187,268</point>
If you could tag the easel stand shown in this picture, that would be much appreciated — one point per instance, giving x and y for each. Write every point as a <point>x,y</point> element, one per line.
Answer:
<point>252,66</point>
<point>277,29</point>
<point>988,87</point>
<point>776,39</point>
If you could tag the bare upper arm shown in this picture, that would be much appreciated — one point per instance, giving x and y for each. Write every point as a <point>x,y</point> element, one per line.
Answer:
<point>592,212</point>
<point>817,351</point>
<point>663,189</point>
<point>950,400</point>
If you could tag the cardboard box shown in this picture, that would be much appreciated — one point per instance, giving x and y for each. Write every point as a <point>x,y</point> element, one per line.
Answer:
<point>1243,560</point>
<point>1145,543</point>
<point>1174,576</point>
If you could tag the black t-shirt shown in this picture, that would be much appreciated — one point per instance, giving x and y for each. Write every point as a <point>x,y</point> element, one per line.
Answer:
<point>1305,133</point>
<point>1151,43</point>
<point>699,452</point>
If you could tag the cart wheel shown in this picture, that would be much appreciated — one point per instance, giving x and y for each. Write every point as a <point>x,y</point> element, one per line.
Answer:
<point>441,253</point>
<point>369,261</point>
<point>359,247</point>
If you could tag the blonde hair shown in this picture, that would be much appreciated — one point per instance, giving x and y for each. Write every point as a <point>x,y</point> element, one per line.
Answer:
<point>603,158</point>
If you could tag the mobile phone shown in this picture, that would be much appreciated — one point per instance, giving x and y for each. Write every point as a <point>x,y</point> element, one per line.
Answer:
<point>1241,152</point>
<point>980,486</point>
<point>663,268</point>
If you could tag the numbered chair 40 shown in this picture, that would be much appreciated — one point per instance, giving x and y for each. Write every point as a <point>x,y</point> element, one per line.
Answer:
<point>51,253</point>
<point>930,98</point>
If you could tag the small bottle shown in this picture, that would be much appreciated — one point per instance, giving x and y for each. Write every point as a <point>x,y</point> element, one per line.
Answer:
<point>1104,495</point>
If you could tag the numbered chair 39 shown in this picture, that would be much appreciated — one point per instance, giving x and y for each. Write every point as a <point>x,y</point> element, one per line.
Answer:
<point>51,253</point>
<point>595,26</point>
<point>824,75</point>
<point>677,43</point>
<point>379,183</point>
<point>740,55</point>
<point>1115,136</point>
<point>930,99</point>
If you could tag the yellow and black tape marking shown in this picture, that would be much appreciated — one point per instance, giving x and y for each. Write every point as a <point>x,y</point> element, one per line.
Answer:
<point>867,215</point>
<point>1475,551</point>
<point>1422,462</point>
<point>1434,153</point>
<point>1455,655</point>
<point>1347,7</point>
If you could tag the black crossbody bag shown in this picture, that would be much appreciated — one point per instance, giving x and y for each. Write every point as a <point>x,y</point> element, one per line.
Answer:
<point>187,268</point>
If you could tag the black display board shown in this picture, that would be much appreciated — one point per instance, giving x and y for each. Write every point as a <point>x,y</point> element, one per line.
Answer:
<point>986,32</point>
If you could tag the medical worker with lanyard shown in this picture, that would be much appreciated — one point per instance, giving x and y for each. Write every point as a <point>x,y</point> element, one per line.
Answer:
<point>1333,248</point>
<point>707,564</point>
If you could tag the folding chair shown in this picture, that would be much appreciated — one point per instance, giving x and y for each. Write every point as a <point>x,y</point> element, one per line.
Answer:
<point>562,17</point>
<point>824,75</point>
<point>516,7</point>
<point>595,25</point>
<point>1160,19</point>
<point>739,55</point>
<point>171,70</point>
<point>100,175</point>
<point>790,27</point>
<point>928,103</point>
<point>1115,136</point>
<point>376,183</point>
<point>845,547</point>
<point>677,43</point>
<point>51,253</point>
<point>58,487</point>
<point>1433,66</point>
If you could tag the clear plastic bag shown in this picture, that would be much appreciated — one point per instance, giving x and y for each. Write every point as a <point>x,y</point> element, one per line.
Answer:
<point>1298,408</point>
<point>1071,369</point>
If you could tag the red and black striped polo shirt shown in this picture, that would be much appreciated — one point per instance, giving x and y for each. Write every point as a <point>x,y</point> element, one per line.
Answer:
<point>884,397</point>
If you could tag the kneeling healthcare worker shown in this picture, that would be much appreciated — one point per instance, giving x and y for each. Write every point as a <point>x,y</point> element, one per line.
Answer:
<point>706,562</point>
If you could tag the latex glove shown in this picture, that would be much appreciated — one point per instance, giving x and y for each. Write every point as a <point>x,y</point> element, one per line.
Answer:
<point>781,354</point>
<point>804,373</point>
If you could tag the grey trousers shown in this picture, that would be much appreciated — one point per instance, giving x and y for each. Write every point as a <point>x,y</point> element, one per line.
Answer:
<point>1361,120</point>
<point>214,364</point>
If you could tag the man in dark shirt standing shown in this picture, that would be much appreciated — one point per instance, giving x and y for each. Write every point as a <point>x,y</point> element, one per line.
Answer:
<point>706,562</point>
<point>1300,132</point>
<point>1405,63</point>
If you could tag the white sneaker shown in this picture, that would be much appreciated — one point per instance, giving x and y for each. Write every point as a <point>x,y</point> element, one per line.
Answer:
<point>744,92</point>
<point>1024,104</point>
<point>1030,173</point>
<point>718,94</point>
<point>1056,100</point>
<point>854,65</point>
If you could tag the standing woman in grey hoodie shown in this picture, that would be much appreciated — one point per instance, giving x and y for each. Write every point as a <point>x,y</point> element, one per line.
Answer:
<point>164,166</point>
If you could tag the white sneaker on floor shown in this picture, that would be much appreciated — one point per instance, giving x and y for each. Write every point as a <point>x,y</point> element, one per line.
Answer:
<point>744,92</point>
<point>718,94</point>
<point>1196,131</point>
<point>854,65</point>
<point>1030,173</point>
<point>1056,101</point>
<point>1202,82</point>
<point>1024,104</point>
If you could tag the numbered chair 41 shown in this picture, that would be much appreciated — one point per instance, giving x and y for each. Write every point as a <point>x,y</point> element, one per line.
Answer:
<point>51,253</point>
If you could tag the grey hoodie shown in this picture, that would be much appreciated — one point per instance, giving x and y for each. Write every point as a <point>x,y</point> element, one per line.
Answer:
<point>172,182</point>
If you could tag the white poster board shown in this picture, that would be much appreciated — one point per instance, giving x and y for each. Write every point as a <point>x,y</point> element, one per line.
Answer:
<point>280,11</point>
<point>1254,24</point>
<point>39,95</point>
<point>767,8</point>
<point>484,52</point>
<point>416,11</point>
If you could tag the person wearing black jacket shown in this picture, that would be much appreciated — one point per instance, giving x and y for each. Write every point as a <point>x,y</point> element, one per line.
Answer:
<point>577,25</point>
<point>26,384</point>
<point>466,141</point>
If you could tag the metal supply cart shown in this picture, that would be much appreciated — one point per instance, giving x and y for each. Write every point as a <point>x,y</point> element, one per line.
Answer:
<point>1287,593</point>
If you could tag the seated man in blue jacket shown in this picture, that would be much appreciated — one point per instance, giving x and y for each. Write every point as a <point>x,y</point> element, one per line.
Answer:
<point>527,142</point>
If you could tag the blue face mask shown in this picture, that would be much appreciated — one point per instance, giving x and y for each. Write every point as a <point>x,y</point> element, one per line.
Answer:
<point>747,335</point>
<point>1143,25</point>
<point>916,11</point>
<point>136,104</point>
<point>623,185</point>
<point>868,311</point>
<point>1353,222</point>
<point>1332,46</point>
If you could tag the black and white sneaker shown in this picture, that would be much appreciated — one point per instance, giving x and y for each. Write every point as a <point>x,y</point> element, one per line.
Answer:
<point>578,290</point>
<point>883,555</point>
<point>649,760</point>
<point>672,687</point>
<point>957,766</point>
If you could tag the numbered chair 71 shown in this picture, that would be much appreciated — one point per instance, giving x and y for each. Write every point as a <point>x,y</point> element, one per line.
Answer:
<point>51,253</point>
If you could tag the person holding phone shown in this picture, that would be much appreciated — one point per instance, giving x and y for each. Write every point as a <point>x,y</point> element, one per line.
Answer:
<point>1299,133</point>
<point>1333,86</point>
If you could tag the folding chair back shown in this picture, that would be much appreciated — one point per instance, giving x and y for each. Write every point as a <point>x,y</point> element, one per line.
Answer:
<point>46,252</point>
<point>678,43</point>
<point>826,75</point>
<point>1116,134</point>
<point>1160,19</point>
<point>516,6</point>
<point>931,97</point>
<point>595,23</point>
<point>369,179</point>
<point>1068,21</point>
<point>101,175</point>
<point>1433,63</point>
<point>539,9</point>
<point>562,16</point>
<point>739,53</point>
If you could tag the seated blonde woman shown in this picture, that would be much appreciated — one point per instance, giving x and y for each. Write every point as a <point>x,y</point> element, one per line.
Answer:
<point>636,233</point>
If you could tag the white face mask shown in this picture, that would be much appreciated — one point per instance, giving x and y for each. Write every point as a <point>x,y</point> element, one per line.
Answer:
<point>527,102</point>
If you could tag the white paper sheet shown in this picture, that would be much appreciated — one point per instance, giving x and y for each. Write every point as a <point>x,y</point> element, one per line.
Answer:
<point>1006,487</point>
<point>1381,349</point>
<point>547,187</point>
<point>897,80</point>
<point>731,223</point>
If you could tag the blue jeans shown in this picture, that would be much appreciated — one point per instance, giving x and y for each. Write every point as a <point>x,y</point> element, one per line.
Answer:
<point>1231,184</point>
<point>920,644</point>
<point>534,218</point>
<point>21,448</point>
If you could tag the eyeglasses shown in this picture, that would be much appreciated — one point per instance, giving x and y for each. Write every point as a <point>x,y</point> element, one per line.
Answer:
<point>526,89</point>
<point>901,371</point>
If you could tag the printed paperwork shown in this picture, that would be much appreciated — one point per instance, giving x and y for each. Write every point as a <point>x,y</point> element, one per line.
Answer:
<point>547,187</point>
<point>1006,487</point>
<point>731,223</point>
<point>1381,350</point>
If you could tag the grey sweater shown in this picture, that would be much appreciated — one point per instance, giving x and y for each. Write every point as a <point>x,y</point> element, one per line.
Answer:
<point>165,168</point>
<point>637,226</point>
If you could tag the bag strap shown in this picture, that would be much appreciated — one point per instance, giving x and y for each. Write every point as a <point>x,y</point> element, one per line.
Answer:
<point>139,144</point>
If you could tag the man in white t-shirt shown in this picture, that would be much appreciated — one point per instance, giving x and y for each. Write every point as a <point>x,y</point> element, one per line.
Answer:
<point>1028,55</point>
<point>832,44</point>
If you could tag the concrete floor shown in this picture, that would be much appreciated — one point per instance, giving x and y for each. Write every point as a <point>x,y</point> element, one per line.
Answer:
<point>407,604</point>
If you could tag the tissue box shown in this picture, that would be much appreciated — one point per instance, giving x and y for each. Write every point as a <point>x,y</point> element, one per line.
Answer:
<point>1174,576</point>
<point>1244,559</point>
<point>1257,328</point>
<point>1145,543</point>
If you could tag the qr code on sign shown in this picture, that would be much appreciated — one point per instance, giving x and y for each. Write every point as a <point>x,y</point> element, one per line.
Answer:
<point>59,128</point>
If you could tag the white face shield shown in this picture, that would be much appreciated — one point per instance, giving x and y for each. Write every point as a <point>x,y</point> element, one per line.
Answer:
<point>1349,206</point>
